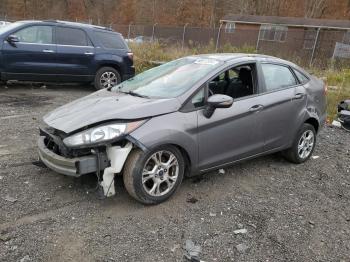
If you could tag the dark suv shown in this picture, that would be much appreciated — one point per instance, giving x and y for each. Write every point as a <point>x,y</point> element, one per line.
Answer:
<point>58,51</point>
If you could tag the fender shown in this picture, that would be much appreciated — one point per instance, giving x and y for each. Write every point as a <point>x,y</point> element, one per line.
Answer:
<point>107,59</point>
<point>151,136</point>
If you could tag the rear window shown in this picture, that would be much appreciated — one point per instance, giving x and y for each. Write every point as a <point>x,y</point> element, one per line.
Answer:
<point>71,36</point>
<point>302,78</point>
<point>277,77</point>
<point>111,40</point>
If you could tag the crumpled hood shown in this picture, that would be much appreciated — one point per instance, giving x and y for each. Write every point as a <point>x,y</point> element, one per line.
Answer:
<point>105,105</point>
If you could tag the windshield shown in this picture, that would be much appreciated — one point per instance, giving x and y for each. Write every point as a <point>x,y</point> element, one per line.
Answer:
<point>168,80</point>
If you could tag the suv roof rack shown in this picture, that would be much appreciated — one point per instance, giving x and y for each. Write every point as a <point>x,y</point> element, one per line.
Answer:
<point>79,23</point>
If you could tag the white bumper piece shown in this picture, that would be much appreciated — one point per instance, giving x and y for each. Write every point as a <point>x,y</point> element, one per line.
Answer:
<point>117,155</point>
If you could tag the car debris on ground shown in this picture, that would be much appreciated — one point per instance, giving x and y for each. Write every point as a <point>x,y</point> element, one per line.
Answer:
<point>344,114</point>
<point>240,231</point>
<point>10,199</point>
<point>242,247</point>
<point>192,251</point>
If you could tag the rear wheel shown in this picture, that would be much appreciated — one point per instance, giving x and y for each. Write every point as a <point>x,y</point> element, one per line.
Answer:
<point>303,145</point>
<point>153,177</point>
<point>107,77</point>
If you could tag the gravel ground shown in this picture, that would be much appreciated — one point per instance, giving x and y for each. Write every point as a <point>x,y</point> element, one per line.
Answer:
<point>290,212</point>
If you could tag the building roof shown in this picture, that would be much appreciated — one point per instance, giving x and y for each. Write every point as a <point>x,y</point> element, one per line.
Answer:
<point>288,21</point>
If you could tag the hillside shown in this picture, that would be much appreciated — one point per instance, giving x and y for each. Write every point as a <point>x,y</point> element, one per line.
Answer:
<point>169,12</point>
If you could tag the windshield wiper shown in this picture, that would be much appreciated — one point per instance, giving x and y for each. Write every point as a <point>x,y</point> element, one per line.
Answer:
<point>135,94</point>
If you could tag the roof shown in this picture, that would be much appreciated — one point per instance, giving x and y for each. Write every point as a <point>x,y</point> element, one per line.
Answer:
<point>66,23</point>
<point>288,21</point>
<point>226,57</point>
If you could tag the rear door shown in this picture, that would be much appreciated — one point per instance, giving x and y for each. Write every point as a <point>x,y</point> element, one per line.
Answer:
<point>283,102</point>
<point>75,54</point>
<point>33,57</point>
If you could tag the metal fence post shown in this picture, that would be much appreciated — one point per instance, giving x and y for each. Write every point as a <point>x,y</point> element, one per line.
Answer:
<point>129,30</point>
<point>183,36</point>
<point>314,48</point>
<point>153,31</point>
<point>257,42</point>
<point>218,38</point>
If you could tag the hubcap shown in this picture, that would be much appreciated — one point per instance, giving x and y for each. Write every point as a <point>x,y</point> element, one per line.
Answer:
<point>108,79</point>
<point>306,144</point>
<point>160,173</point>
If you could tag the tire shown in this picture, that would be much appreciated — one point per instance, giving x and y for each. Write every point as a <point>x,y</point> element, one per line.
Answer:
<point>294,154</point>
<point>106,73</point>
<point>138,161</point>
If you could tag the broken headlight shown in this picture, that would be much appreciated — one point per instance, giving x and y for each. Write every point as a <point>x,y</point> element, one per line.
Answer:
<point>103,133</point>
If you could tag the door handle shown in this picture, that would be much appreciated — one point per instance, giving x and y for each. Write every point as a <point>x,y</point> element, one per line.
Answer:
<point>88,53</point>
<point>256,108</point>
<point>48,51</point>
<point>299,96</point>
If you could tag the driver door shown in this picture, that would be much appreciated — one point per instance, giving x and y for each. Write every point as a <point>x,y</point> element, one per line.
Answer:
<point>33,57</point>
<point>230,134</point>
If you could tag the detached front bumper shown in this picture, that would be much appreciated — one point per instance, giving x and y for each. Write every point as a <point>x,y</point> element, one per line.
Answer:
<point>70,166</point>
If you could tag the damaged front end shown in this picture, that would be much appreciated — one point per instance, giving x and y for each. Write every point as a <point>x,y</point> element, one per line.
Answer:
<point>93,150</point>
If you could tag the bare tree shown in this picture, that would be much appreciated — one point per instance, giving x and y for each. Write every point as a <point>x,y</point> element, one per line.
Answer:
<point>268,7</point>
<point>315,8</point>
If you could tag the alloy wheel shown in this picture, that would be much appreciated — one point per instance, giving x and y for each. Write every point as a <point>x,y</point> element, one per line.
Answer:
<point>306,144</point>
<point>108,79</point>
<point>160,173</point>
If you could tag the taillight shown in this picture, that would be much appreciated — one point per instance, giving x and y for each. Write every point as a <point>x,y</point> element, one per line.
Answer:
<point>131,55</point>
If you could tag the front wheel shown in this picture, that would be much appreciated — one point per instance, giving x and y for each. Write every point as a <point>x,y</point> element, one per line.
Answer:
<point>107,77</point>
<point>303,145</point>
<point>153,177</point>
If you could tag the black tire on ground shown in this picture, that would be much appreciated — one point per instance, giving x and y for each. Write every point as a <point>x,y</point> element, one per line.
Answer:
<point>134,167</point>
<point>292,154</point>
<point>97,83</point>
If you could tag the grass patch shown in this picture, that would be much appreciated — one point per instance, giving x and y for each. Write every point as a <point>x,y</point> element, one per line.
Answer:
<point>148,55</point>
<point>338,89</point>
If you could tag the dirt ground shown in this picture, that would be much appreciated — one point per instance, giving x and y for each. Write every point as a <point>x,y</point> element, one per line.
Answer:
<point>290,212</point>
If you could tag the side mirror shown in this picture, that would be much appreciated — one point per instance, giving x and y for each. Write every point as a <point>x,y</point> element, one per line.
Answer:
<point>12,39</point>
<point>217,101</point>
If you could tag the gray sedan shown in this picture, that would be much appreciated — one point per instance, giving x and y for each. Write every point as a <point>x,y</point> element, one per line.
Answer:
<point>184,118</point>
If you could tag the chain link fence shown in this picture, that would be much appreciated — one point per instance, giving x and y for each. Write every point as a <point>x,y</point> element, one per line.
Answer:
<point>305,46</point>
<point>317,47</point>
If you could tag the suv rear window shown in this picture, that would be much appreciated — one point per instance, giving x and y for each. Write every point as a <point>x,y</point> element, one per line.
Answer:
<point>111,40</point>
<point>71,36</point>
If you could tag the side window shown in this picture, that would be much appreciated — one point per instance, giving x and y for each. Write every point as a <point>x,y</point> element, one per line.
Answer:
<point>232,74</point>
<point>302,78</point>
<point>35,34</point>
<point>198,99</point>
<point>221,76</point>
<point>71,36</point>
<point>111,40</point>
<point>239,82</point>
<point>277,77</point>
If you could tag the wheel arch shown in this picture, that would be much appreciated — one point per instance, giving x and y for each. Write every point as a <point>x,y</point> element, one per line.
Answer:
<point>113,65</point>
<point>186,157</point>
<point>314,122</point>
